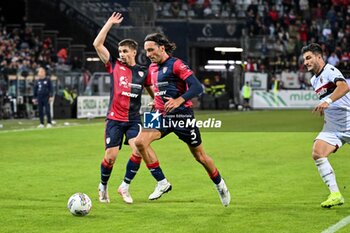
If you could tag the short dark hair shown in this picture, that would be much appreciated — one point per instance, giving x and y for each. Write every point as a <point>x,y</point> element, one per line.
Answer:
<point>130,43</point>
<point>313,47</point>
<point>161,39</point>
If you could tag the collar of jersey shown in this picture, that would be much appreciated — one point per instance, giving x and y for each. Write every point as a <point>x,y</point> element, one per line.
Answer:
<point>165,61</point>
<point>318,74</point>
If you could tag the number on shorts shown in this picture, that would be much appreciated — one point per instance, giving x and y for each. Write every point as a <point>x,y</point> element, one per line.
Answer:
<point>193,134</point>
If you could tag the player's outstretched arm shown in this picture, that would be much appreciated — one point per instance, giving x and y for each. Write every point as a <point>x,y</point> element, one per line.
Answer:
<point>116,18</point>
<point>341,90</point>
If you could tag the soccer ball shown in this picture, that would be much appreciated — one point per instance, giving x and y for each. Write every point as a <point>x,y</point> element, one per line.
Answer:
<point>79,204</point>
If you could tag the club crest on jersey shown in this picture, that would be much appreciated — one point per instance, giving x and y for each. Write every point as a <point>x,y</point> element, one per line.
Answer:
<point>141,73</point>
<point>123,81</point>
<point>165,69</point>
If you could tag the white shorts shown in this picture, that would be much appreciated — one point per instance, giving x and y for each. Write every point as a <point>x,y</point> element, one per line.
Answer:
<point>336,139</point>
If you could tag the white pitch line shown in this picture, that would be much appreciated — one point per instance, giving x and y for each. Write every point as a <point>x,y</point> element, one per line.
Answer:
<point>334,228</point>
<point>54,127</point>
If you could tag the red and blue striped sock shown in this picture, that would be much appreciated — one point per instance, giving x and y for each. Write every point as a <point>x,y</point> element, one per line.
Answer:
<point>132,167</point>
<point>106,170</point>
<point>215,176</point>
<point>156,171</point>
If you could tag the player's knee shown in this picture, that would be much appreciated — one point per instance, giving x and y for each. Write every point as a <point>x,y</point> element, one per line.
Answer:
<point>136,154</point>
<point>108,162</point>
<point>110,156</point>
<point>317,154</point>
<point>140,143</point>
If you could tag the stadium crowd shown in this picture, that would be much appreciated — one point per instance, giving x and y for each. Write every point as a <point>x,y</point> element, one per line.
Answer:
<point>289,24</point>
<point>22,52</point>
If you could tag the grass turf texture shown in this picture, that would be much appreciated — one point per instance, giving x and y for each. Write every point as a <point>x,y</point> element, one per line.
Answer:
<point>274,183</point>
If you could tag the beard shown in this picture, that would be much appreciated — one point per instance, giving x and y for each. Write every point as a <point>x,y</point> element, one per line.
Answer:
<point>122,60</point>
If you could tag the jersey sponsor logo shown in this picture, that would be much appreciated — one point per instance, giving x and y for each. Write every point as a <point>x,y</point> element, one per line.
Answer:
<point>162,84</point>
<point>325,90</point>
<point>123,82</point>
<point>159,93</point>
<point>122,68</point>
<point>129,94</point>
<point>321,92</point>
<point>136,86</point>
<point>141,73</point>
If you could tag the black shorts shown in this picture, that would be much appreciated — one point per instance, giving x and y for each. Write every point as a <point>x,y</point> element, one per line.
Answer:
<point>115,131</point>
<point>178,123</point>
<point>246,100</point>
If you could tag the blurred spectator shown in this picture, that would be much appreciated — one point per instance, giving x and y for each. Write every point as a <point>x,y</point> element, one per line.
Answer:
<point>175,9</point>
<point>331,16</point>
<point>218,86</point>
<point>333,59</point>
<point>273,14</point>
<point>251,66</point>
<point>303,30</point>
<point>62,55</point>
<point>76,64</point>
<point>246,94</point>
<point>207,86</point>
<point>345,56</point>
<point>304,8</point>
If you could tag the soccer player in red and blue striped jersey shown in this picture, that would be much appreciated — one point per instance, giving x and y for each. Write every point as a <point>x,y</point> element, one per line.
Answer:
<point>123,117</point>
<point>174,85</point>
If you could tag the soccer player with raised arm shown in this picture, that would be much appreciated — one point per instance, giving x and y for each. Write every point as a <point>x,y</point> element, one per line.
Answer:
<point>333,92</point>
<point>174,85</point>
<point>123,117</point>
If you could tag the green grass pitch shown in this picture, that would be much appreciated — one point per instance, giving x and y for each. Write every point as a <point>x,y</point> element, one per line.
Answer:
<point>264,156</point>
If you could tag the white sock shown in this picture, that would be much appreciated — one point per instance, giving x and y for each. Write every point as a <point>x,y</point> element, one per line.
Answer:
<point>163,181</point>
<point>327,174</point>
<point>124,185</point>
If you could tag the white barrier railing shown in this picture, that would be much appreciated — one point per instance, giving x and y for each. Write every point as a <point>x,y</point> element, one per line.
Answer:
<point>97,106</point>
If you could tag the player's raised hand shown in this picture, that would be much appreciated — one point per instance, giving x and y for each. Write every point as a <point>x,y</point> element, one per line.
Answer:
<point>116,18</point>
